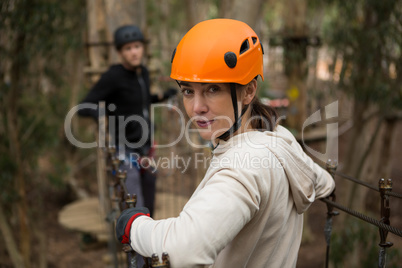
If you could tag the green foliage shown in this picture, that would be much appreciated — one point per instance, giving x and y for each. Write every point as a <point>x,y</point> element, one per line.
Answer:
<point>273,18</point>
<point>368,35</point>
<point>264,87</point>
<point>39,33</point>
<point>44,25</point>
<point>56,178</point>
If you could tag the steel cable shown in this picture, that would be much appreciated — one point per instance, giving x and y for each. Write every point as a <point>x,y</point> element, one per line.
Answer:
<point>363,217</point>
<point>393,194</point>
<point>356,180</point>
<point>398,195</point>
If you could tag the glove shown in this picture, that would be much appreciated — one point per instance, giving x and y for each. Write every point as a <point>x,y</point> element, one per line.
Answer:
<point>126,218</point>
<point>169,93</point>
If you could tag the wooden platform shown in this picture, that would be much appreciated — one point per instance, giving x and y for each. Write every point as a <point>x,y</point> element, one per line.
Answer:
<point>84,216</point>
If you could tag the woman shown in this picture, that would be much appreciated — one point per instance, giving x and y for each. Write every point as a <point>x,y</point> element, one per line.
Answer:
<point>247,211</point>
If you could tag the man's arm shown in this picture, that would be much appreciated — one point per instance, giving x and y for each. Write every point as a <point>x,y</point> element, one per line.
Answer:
<point>99,92</point>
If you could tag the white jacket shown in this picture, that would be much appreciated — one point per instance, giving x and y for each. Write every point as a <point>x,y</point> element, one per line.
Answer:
<point>246,212</point>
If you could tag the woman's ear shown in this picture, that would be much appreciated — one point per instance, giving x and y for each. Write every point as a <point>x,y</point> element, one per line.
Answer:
<point>250,91</point>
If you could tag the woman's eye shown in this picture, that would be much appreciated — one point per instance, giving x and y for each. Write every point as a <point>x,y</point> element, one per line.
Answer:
<point>186,92</point>
<point>213,89</point>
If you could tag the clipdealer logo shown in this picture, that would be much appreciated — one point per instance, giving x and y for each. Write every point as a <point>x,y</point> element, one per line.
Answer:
<point>330,112</point>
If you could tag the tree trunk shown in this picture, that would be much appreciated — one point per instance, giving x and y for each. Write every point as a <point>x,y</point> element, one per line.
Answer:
<point>225,8</point>
<point>384,166</point>
<point>15,148</point>
<point>249,13</point>
<point>75,59</point>
<point>353,154</point>
<point>197,11</point>
<point>96,34</point>
<point>357,192</point>
<point>295,36</point>
<point>39,231</point>
<point>163,36</point>
<point>380,164</point>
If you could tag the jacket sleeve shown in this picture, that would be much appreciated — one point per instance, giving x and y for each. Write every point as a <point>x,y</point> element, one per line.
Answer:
<point>209,221</point>
<point>155,98</point>
<point>99,92</point>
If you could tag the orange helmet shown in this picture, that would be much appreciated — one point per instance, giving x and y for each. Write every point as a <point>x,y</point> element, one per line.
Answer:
<point>218,51</point>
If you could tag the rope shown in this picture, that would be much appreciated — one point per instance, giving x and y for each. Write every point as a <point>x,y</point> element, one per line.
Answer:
<point>364,217</point>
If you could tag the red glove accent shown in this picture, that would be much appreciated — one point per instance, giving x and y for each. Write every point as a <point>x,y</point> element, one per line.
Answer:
<point>126,236</point>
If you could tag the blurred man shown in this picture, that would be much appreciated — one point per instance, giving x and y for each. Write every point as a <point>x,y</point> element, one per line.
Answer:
<point>125,88</point>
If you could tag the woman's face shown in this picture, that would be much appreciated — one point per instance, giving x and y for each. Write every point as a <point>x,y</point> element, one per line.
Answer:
<point>209,107</point>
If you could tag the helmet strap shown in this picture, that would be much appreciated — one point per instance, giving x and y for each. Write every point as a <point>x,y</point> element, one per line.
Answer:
<point>237,122</point>
<point>234,100</point>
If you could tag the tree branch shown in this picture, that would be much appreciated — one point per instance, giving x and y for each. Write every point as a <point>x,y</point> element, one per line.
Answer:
<point>9,241</point>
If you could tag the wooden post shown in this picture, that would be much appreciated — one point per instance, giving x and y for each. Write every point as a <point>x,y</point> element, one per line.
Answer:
<point>104,201</point>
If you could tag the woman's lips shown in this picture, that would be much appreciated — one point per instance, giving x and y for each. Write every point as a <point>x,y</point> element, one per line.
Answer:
<point>204,123</point>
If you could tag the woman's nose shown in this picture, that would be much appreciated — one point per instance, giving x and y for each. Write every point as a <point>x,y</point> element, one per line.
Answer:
<point>200,106</point>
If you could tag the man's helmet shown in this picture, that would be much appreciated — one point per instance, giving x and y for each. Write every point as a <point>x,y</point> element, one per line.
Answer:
<point>218,51</point>
<point>126,34</point>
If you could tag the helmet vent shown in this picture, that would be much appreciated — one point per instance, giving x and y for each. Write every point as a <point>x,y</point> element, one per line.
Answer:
<point>254,40</point>
<point>244,47</point>
<point>230,59</point>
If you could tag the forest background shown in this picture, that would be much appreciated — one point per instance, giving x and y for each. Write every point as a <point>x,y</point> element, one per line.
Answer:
<point>317,53</point>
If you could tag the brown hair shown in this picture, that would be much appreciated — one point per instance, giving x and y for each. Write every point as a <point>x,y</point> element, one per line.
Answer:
<point>263,117</point>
